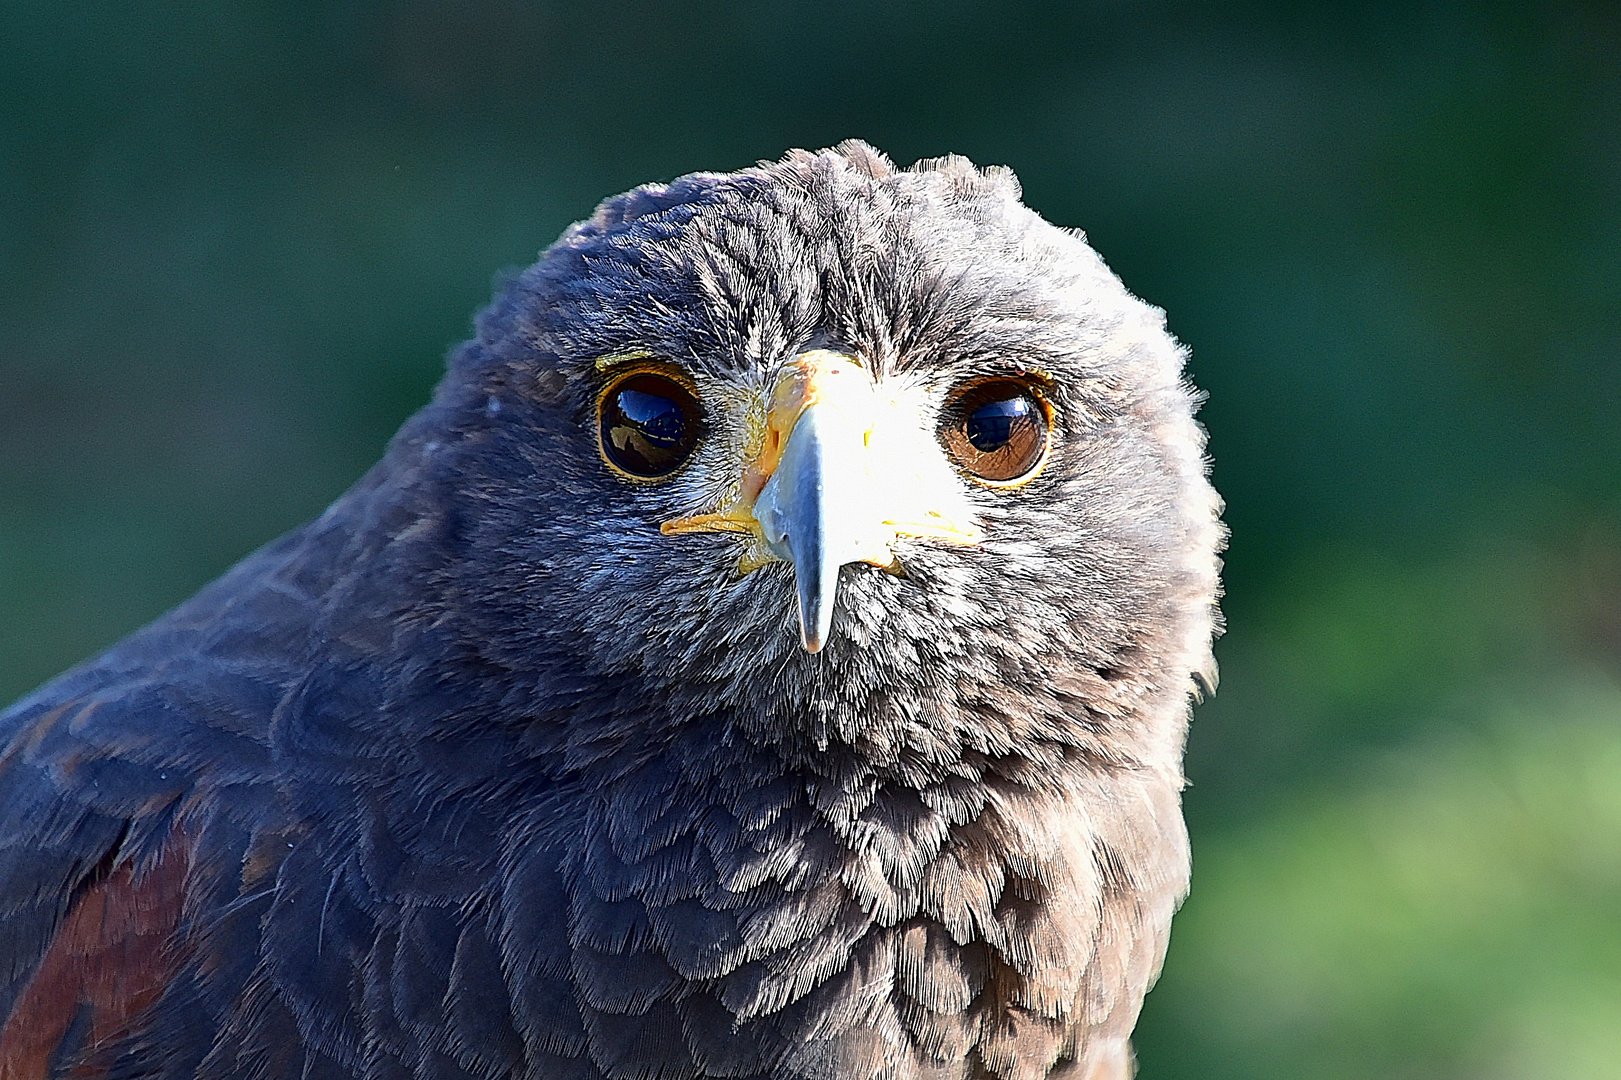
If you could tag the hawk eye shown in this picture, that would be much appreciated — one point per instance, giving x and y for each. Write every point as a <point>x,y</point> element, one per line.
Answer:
<point>649,425</point>
<point>997,431</point>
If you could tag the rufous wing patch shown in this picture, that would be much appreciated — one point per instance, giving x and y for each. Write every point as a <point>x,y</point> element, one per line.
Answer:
<point>110,961</point>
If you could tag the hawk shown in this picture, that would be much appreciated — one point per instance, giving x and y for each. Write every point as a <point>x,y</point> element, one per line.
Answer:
<point>769,655</point>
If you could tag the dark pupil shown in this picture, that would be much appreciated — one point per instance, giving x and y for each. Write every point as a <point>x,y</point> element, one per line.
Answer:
<point>649,425</point>
<point>990,427</point>
<point>659,418</point>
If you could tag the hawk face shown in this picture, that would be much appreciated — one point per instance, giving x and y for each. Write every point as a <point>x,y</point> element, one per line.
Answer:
<point>842,448</point>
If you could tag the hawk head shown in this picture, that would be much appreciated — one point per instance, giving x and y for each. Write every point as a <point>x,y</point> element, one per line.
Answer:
<point>856,452</point>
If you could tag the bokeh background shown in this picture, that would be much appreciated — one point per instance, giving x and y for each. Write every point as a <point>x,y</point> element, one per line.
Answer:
<point>237,238</point>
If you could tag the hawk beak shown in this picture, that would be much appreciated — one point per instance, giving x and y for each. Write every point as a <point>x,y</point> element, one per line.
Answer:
<point>816,512</point>
<point>833,484</point>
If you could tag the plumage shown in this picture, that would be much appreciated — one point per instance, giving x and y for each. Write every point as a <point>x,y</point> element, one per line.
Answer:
<point>518,764</point>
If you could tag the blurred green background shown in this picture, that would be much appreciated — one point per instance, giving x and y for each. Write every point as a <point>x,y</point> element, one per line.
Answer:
<point>237,238</point>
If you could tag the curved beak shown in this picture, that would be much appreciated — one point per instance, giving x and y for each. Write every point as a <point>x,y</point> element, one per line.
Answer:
<point>815,512</point>
<point>834,483</point>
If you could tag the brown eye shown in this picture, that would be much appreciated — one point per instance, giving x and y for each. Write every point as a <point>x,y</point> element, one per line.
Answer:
<point>649,425</point>
<point>997,431</point>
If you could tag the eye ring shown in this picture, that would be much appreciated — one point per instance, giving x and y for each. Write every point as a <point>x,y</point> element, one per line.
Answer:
<point>998,431</point>
<point>648,424</point>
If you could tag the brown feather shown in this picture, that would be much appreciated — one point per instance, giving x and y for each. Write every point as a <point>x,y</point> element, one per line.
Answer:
<point>110,961</point>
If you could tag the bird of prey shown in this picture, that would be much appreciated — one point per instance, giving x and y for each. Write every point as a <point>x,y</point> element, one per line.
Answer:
<point>768,656</point>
